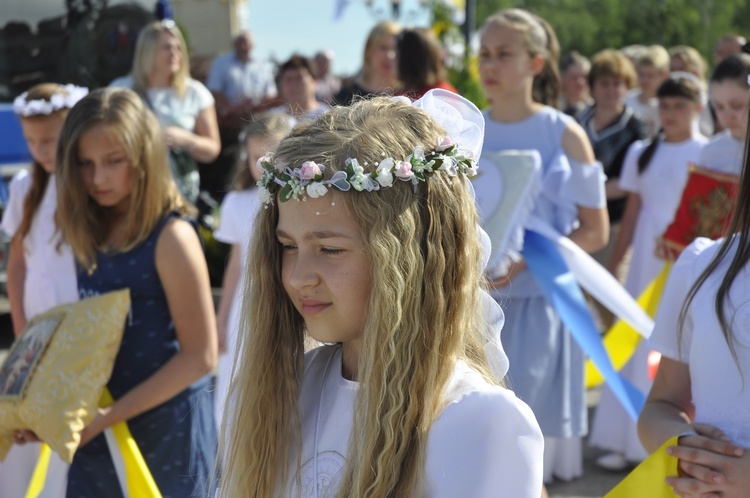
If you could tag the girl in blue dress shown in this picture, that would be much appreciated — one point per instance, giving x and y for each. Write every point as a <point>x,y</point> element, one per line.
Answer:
<point>123,216</point>
<point>517,66</point>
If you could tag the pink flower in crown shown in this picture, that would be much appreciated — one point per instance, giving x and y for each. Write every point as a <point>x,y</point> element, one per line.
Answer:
<point>403,170</point>
<point>443,144</point>
<point>309,170</point>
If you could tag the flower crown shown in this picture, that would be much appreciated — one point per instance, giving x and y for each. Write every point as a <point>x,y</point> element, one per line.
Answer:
<point>307,180</point>
<point>40,107</point>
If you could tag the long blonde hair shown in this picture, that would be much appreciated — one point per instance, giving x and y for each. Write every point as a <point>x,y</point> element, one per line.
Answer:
<point>83,222</point>
<point>423,315</point>
<point>143,59</point>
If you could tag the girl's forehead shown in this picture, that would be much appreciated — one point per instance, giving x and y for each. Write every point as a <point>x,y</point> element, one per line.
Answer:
<point>43,125</point>
<point>729,89</point>
<point>501,33</point>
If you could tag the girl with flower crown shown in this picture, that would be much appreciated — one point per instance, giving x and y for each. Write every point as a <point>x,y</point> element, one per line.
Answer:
<point>40,269</point>
<point>518,69</point>
<point>369,244</point>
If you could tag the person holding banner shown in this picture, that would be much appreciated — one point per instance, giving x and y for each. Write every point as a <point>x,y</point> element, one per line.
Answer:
<point>700,390</point>
<point>518,69</point>
<point>654,173</point>
<point>123,216</point>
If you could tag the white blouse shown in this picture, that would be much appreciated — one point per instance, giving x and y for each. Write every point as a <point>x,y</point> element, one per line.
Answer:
<point>486,442</point>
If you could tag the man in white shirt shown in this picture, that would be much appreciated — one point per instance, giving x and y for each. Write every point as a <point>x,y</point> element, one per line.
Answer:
<point>240,83</point>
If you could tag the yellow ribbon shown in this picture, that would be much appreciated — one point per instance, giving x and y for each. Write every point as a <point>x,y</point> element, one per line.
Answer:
<point>648,478</point>
<point>39,476</point>
<point>140,482</point>
<point>621,340</point>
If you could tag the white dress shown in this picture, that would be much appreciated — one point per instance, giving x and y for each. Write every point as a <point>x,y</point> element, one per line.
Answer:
<point>719,389</point>
<point>660,189</point>
<point>238,212</point>
<point>723,153</point>
<point>50,281</point>
<point>486,441</point>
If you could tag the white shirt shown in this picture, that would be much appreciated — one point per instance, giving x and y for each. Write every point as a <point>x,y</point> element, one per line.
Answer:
<point>719,391</point>
<point>660,188</point>
<point>648,112</point>
<point>169,107</point>
<point>239,81</point>
<point>485,443</point>
<point>50,275</point>
<point>239,210</point>
<point>723,153</point>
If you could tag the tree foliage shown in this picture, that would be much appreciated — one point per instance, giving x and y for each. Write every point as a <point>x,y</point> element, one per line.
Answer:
<point>592,25</point>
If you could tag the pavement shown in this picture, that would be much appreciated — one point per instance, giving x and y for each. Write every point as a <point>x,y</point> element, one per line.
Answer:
<point>594,483</point>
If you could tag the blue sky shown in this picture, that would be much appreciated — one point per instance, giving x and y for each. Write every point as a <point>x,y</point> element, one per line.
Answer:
<point>282,27</point>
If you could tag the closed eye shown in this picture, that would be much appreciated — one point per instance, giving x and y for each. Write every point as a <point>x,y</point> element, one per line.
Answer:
<point>331,252</point>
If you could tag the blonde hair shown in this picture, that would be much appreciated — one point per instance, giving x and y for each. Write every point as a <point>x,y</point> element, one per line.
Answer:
<point>381,30</point>
<point>39,176</point>
<point>423,315</point>
<point>655,56</point>
<point>540,39</point>
<point>270,126</point>
<point>83,222</point>
<point>691,58</point>
<point>143,59</point>
<point>611,62</point>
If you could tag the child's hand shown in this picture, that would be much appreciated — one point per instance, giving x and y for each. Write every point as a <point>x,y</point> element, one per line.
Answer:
<point>177,138</point>
<point>710,465</point>
<point>96,427</point>
<point>23,436</point>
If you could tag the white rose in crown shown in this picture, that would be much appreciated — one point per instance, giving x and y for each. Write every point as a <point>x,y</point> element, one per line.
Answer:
<point>316,189</point>
<point>384,176</point>
<point>264,195</point>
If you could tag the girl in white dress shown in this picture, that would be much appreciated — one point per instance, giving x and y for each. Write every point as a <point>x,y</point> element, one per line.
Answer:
<point>238,212</point>
<point>368,242</point>
<point>41,273</point>
<point>654,173</point>
<point>701,388</point>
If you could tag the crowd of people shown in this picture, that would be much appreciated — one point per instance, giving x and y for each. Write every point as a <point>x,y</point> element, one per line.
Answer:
<point>350,344</point>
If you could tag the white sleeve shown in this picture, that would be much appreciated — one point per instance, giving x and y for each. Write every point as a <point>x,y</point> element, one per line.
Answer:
<point>19,188</point>
<point>205,98</point>
<point>488,444</point>
<point>629,175</point>
<point>665,337</point>
<point>230,214</point>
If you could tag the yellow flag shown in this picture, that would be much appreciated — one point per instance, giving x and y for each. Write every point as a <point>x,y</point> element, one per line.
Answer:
<point>648,478</point>
<point>621,340</point>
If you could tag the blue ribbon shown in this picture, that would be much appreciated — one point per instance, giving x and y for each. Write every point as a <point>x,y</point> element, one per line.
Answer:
<point>561,289</point>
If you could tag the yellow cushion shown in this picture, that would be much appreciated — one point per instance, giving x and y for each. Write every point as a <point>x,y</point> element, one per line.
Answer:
<point>54,374</point>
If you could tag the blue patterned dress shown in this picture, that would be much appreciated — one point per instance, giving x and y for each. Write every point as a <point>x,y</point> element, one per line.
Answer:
<point>178,438</point>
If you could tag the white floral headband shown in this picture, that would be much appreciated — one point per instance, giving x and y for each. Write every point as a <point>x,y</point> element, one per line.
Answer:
<point>307,180</point>
<point>40,107</point>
